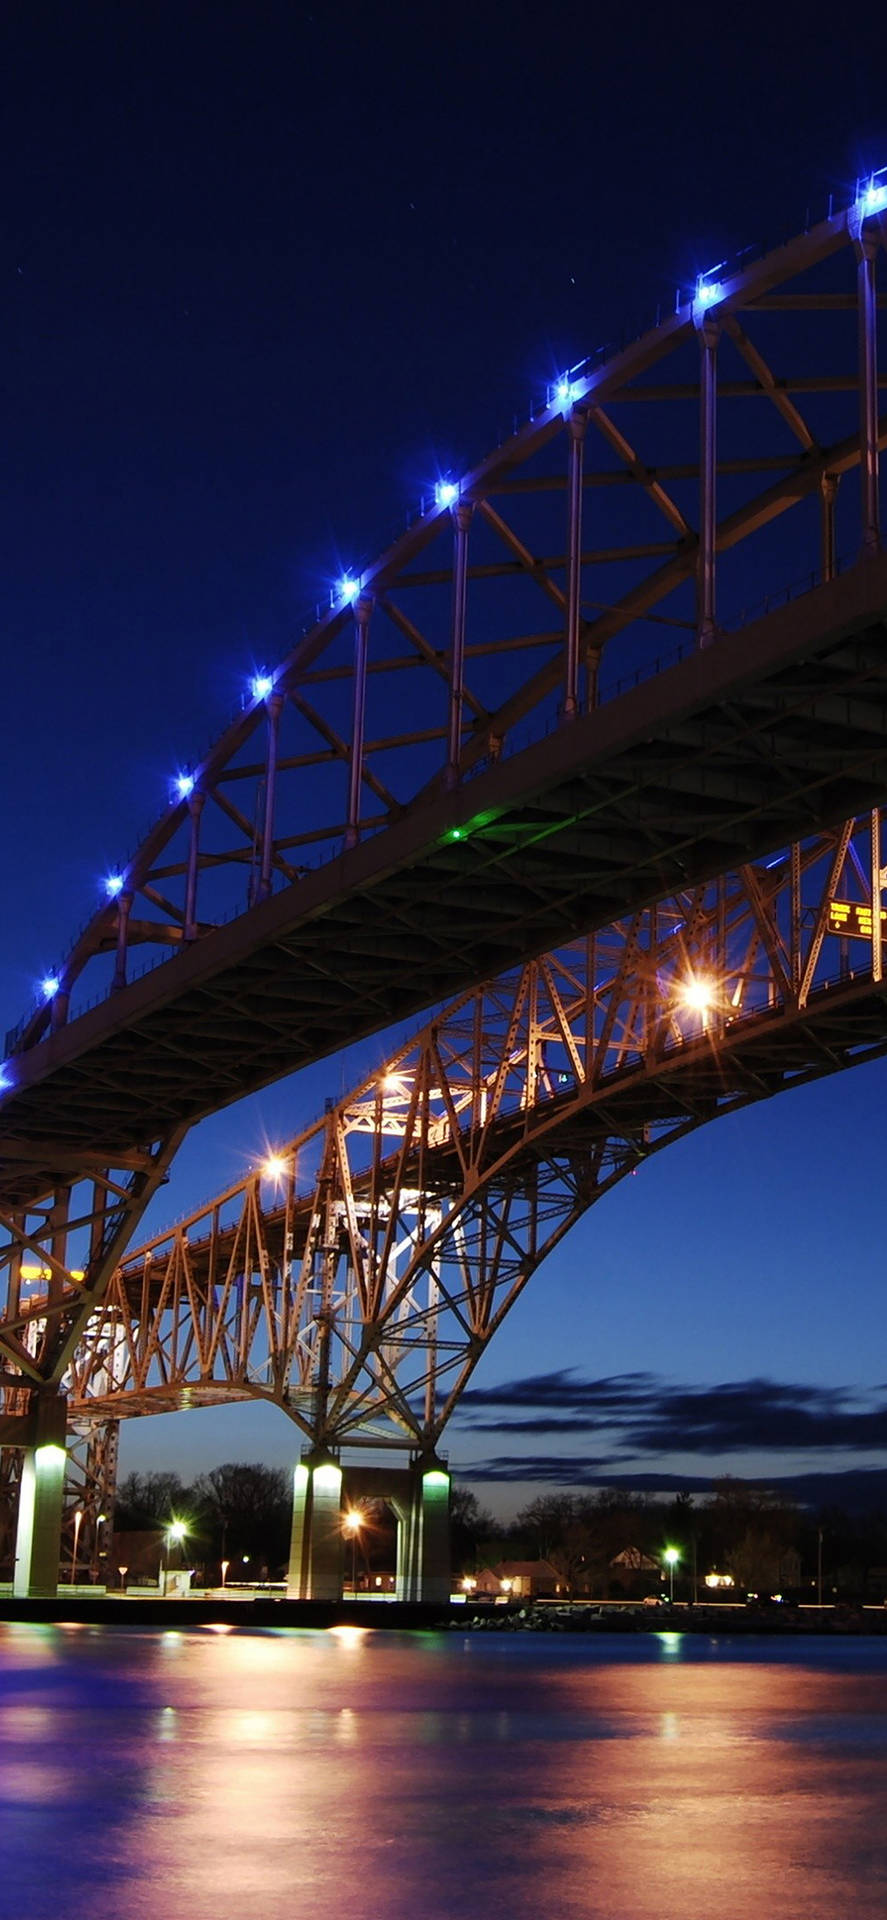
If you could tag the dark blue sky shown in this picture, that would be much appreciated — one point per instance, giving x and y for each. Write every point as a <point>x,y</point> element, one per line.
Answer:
<point>265,270</point>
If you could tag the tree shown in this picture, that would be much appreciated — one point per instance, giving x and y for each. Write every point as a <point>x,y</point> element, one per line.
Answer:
<point>544,1523</point>
<point>470,1523</point>
<point>246,1509</point>
<point>147,1500</point>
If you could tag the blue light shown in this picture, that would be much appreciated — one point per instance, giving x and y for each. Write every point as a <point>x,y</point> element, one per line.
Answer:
<point>708,292</point>
<point>184,782</point>
<point>348,589</point>
<point>873,197</point>
<point>563,392</point>
<point>114,885</point>
<point>445,493</point>
<point>5,1077</point>
<point>49,986</point>
<point>260,687</point>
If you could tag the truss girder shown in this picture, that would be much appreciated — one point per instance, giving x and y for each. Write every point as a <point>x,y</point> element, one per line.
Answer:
<point>780,730</point>
<point>399,727</point>
<point>447,1179</point>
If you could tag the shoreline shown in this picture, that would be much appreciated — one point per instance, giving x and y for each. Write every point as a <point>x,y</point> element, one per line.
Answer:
<point>264,1612</point>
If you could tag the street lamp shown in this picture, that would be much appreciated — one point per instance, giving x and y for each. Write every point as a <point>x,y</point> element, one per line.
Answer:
<point>123,1571</point>
<point>351,1525</point>
<point>225,1565</point>
<point>101,1553</point>
<point>671,1557</point>
<point>78,1521</point>
<point>174,1535</point>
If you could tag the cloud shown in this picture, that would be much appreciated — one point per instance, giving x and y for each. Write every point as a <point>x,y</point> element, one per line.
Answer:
<point>858,1490</point>
<point>562,1389</point>
<point>642,1416</point>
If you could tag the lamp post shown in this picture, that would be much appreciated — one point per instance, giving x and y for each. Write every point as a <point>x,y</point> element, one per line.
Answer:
<point>123,1571</point>
<point>78,1522</point>
<point>351,1526</point>
<point>671,1557</point>
<point>174,1535</point>
<point>225,1565</point>
<point>101,1553</point>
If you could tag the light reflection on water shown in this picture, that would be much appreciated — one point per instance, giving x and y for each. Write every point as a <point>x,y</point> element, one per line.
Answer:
<point>424,1776</point>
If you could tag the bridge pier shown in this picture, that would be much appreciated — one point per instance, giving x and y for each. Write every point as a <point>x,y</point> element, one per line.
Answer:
<point>420,1498</point>
<point>41,1494</point>
<point>423,1532</point>
<point>316,1551</point>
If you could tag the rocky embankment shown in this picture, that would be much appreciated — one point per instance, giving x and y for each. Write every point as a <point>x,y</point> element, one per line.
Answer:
<point>543,1617</point>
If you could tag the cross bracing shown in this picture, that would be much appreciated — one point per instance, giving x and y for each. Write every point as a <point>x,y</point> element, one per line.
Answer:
<point>358,1284</point>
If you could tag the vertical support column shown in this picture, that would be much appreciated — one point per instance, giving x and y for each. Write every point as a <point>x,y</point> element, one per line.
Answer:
<point>434,1554</point>
<point>796,918</point>
<point>709,333</point>
<point>406,1579</point>
<point>462,512</point>
<point>576,427</point>
<point>362,610</point>
<point>195,808</point>
<point>423,1533</point>
<point>299,1560</point>
<point>866,254</point>
<point>828,494</point>
<point>720,1007</point>
<point>275,708</point>
<point>877,948</point>
<point>124,909</point>
<point>315,1567</point>
<point>39,1532</point>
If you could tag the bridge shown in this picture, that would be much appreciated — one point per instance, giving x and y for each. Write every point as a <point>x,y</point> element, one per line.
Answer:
<point>658,785</point>
<point>356,1278</point>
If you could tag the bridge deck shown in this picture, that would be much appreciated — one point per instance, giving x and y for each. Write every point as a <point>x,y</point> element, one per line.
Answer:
<point>770,733</point>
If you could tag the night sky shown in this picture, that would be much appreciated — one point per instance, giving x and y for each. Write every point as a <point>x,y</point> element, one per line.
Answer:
<point>266,270</point>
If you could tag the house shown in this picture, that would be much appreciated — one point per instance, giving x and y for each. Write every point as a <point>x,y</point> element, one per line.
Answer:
<point>635,1574</point>
<point>518,1580</point>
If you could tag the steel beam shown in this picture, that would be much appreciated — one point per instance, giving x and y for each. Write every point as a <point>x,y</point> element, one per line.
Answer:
<point>362,611</point>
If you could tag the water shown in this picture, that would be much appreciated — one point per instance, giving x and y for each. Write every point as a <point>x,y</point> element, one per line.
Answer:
<point>212,1773</point>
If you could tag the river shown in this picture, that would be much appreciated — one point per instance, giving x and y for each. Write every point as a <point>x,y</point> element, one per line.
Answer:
<point>416,1777</point>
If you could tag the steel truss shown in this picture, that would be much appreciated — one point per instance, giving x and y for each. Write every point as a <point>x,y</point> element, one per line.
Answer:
<point>358,1286</point>
<point>364,799</point>
<point>90,1491</point>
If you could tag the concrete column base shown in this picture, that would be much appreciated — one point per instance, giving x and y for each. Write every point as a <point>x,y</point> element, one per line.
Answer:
<point>38,1538</point>
<point>434,1548</point>
<point>423,1533</point>
<point>316,1548</point>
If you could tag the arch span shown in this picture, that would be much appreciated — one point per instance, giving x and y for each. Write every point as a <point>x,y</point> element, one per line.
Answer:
<point>357,1282</point>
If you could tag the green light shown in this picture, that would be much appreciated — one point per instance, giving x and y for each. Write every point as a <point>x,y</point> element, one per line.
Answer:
<point>49,1456</point>
<point>300,1476</point>
<point>434,1478</point>
<point>671,1556</point>
<point>456,833</point>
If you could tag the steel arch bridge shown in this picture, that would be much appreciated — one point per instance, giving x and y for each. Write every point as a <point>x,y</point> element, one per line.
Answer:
<point>545,708</point>
<point>356,1280</point>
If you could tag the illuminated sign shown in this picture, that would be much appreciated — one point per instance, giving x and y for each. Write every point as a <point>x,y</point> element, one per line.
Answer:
<point>853,920</point>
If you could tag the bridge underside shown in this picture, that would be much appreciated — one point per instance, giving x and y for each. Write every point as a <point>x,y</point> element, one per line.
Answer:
<point>774,732</point>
